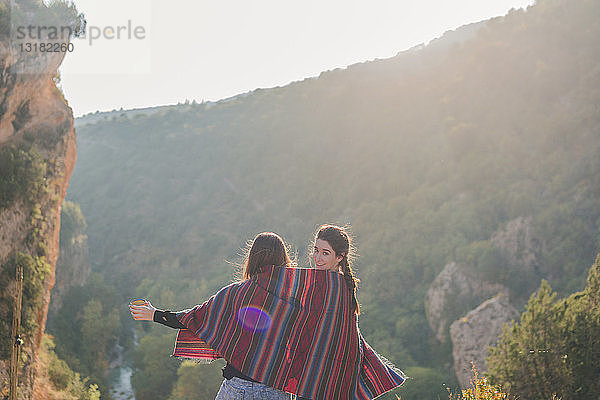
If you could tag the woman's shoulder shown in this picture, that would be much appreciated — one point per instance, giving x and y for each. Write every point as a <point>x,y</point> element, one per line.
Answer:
<point>281,278</point>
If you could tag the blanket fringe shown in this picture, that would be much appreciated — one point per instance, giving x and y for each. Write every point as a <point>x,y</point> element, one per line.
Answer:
<point>195,360</point>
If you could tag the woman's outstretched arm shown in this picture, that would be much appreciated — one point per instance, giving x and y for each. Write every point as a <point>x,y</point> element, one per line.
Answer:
<point>168,318</point>
<point>150,313</point>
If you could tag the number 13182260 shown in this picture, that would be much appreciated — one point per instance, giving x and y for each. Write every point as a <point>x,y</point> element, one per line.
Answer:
<point>50,47</point>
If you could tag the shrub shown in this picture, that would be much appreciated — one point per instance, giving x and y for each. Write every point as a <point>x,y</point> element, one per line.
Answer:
<point>21,175</point>
<point>67,383</point>
<point>480,389</point>
<point>60,373</point>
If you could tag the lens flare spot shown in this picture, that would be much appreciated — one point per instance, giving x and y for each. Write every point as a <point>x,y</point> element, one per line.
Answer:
<point>253,319</point>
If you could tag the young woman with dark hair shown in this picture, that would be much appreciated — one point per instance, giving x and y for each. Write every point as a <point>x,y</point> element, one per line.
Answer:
<point>332,250</point>
<point>266,249</point>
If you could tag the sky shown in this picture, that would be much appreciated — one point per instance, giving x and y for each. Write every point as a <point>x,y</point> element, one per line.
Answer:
<point>142,53</point>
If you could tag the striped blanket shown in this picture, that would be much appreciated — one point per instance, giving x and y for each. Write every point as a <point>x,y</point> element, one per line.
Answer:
<point>293,329</point>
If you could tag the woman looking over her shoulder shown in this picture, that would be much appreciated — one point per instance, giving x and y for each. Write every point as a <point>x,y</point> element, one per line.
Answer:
<point>332,251</point>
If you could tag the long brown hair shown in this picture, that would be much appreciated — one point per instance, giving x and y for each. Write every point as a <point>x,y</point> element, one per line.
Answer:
<point>266,249</point>
<point>341,242</point>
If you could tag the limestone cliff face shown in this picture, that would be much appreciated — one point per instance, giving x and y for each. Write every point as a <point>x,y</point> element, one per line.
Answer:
<point>35,117</point>
<point>72,266</point>
<point>452,294</point>
<point>519,244</point>
<point>72,269</point>
<point>472,334</point>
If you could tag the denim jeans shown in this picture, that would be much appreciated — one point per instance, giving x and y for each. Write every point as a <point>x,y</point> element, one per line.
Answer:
<point>241,389</point>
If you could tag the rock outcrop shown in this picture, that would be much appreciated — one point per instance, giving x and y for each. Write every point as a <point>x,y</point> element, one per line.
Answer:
<point>519,245</point>
<point>455,290</point>
<point>72,269</point>
<point>453,293</point>
<point>472,334</point>
<point>34,120</point>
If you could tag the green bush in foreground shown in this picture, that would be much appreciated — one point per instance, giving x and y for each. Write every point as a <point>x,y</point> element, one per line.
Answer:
<point>553,350</point>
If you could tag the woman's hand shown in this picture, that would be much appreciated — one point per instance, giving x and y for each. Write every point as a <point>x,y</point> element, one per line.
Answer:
<point>142,313</point>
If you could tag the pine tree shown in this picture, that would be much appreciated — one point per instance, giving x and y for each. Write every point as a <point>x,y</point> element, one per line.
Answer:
<point>582,325</point>
<point>555,348</point>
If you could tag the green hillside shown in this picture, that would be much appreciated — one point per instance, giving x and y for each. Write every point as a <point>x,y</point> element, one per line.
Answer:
<point>425,154</point>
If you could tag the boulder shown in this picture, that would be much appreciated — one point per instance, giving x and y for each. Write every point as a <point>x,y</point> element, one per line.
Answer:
<point>472,334</point>
<point>453,293</point>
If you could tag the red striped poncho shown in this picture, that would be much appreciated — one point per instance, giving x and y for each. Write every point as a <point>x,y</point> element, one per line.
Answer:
<point>293,329</point>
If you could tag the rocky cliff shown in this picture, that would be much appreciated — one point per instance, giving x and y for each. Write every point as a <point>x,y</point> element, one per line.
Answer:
<point>37,156</point>
<point>460,304</point>
<point>472,334</point>
<point>454,292</point>
<point>72,267</point>
<point>519,244</point>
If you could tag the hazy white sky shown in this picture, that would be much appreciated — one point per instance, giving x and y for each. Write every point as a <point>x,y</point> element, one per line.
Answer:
<point>170,51</point>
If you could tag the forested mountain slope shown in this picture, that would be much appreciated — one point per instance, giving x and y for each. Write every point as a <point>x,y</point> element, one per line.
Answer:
<point>427,154</point>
